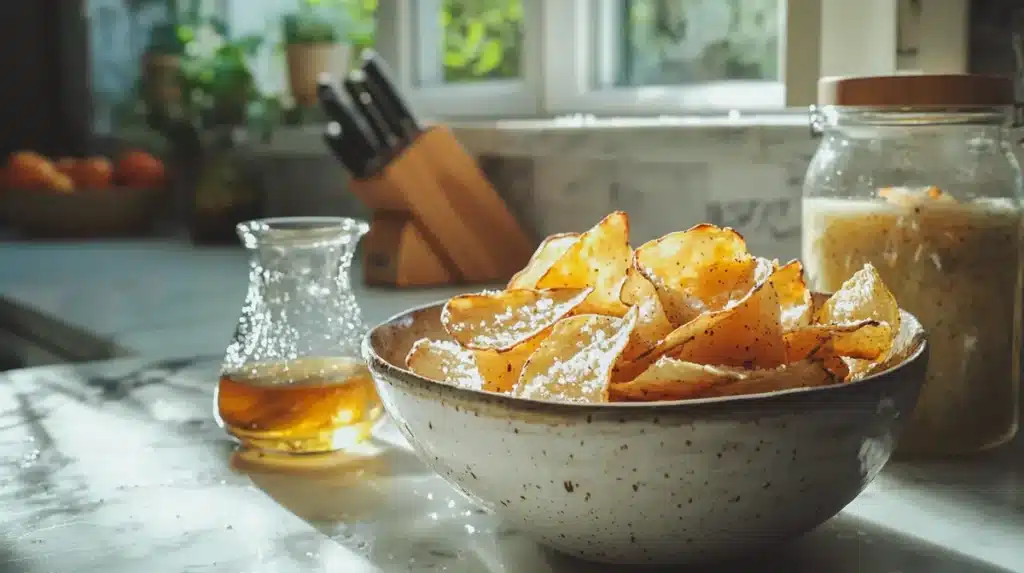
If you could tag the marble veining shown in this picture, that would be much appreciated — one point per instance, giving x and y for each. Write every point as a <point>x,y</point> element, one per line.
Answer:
<point>118,467</point>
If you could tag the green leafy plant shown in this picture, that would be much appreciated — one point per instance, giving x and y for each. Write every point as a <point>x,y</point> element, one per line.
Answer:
<point>360,15</point>
<point>309,27</point>
<point>220,84</point>
<point>482,40</point>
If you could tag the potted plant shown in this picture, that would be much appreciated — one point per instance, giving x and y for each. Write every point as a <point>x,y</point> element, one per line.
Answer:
<point>313,45</point>
<point>218,78</point>
<point>219,96</point>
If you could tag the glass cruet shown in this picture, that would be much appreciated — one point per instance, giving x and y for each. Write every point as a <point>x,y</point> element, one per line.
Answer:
<point>292,380</point>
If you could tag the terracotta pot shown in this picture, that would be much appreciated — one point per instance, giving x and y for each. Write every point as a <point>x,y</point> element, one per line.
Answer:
<point>307,61</point>
<point>161,78</point>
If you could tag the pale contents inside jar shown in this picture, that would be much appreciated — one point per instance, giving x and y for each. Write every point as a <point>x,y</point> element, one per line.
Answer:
<point>954,265</point>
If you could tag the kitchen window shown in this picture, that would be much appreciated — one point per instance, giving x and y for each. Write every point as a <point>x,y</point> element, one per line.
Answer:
<point>487,59</point>
<point>654,57</point>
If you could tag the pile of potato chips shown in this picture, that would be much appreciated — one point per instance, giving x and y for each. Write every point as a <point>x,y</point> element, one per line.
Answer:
<point>689,315</point>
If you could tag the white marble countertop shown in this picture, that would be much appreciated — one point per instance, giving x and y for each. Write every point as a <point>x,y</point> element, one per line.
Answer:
<point>118,467</point>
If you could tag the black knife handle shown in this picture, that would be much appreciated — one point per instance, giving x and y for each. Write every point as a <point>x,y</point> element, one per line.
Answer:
<point>385,92</point>
<point>340,110</point>
<point>352,157</point>
<point>364,102</point>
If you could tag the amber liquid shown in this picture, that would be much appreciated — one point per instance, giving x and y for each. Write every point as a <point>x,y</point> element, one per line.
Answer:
<point>308,405</point>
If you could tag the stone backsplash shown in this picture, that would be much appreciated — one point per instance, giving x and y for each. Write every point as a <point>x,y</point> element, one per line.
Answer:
<point>557,179</point>
<point>667,174</point>
<point>748,178</point>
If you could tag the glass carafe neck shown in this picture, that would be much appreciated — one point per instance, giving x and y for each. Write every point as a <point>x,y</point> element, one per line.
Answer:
<point>300,302</point>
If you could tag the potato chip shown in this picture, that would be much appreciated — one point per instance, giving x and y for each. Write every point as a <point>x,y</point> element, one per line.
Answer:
<point>502,320</point>
<point>598,259</point>
<point>794,296</point>
<point>863,297</point>
<point>444,361</point>
<point>803,374</point>
<point>652,325</point>
<point>574,362</point>
<point>865,339</point>
<point>501,370</point>
<point>549,251</point>
<point>697,271</point>
<point>674,379</point>
<point>747,335</point>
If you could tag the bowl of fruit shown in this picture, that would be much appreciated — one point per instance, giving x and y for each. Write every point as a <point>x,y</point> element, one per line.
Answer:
<point>82,197</point>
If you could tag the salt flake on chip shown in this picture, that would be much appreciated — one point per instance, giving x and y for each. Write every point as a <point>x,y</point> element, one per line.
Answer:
<point>574,362</point>
<point>502,320</point>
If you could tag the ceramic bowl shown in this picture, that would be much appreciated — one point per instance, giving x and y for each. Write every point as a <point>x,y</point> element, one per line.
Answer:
<point>661,482</point>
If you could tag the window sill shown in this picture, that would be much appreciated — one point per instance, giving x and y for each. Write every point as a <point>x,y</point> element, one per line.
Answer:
<point>655,138</point>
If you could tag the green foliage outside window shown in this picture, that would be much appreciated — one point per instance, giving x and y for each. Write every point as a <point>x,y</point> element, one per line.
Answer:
<point>483,39</point>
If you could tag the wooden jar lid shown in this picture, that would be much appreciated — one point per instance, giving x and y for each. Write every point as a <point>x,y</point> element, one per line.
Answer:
<point>950,90</point>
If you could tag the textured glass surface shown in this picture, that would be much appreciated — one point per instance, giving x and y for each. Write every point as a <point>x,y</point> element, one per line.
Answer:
<point>292,379</point>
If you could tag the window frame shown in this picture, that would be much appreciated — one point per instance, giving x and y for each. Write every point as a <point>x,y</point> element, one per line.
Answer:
<point>822,38</point>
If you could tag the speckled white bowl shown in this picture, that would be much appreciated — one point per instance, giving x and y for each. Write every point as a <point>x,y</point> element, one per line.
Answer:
<point>665,482</point>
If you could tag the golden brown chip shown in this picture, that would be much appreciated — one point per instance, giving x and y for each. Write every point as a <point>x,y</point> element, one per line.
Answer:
<point>574,362</point>
<point>837,366</point>
<point>652,325</point>
<point>549,251</point>
<point>803,374</point>
<point>794,296</point>
<point>502,320</point>
<point>863,297</point>
<point>697,271</point>
<point>444,361</point>
<point>501,370</point>
<point>598,259</point>
<point>747,335</point>
<point>865,339</point>
<point>674,379</point>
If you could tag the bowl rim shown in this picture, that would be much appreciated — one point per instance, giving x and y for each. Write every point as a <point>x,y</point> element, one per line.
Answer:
<point>375,361</point>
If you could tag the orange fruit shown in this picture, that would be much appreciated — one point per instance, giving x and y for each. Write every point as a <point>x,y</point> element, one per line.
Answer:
<point>93,173</point>
<point>140,169</point>
<point>29,170</point>
<point>58,181</point>
<point>66,165</point>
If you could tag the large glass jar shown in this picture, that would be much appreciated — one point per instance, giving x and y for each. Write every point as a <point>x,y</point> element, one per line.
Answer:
<point>916,175</point>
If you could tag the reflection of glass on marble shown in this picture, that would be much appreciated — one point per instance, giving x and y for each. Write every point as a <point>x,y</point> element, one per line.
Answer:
<point>292,380</point>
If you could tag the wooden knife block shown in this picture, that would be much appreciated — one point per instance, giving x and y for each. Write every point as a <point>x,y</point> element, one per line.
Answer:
<point>437,220</point>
